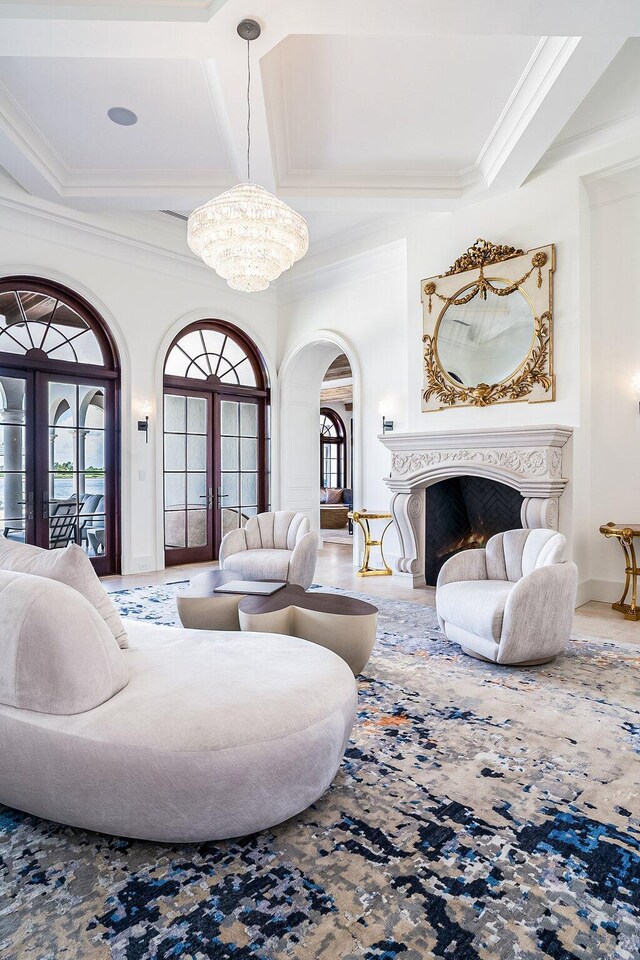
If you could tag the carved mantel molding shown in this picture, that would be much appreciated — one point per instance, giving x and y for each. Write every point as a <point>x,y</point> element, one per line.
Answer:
<point>526,458</point>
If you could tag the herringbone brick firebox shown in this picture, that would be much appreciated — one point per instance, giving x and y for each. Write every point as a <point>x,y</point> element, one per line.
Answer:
<point>463,513</point>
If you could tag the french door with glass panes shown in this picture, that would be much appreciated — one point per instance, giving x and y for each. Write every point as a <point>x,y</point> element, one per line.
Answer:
<point>214,464</point>
<point>57,463</point>
<point>240,468</point>
<point>188,476</point>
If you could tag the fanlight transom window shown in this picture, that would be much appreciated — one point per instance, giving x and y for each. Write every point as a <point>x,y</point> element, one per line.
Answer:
<point>211,355</point>
<point>329,427</point>
<point>38,325</point>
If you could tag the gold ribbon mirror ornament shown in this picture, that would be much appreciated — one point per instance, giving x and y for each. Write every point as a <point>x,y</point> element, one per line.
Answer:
<point>488,328</point>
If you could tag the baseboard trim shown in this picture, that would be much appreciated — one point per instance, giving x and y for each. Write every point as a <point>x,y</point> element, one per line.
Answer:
<point>603,591</point>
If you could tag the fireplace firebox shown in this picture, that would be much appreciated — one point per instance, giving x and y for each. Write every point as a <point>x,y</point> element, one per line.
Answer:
<point>464,512</point>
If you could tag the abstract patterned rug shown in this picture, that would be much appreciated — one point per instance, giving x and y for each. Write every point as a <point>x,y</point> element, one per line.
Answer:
<point>480,812</point>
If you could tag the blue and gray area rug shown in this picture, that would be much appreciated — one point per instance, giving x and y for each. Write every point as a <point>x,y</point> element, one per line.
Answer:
<point>480,812</point>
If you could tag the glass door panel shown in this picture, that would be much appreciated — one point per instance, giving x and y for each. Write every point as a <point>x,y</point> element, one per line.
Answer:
<point>75,499</point>
<point>188,488</point>
<point>239,487</point>
<point>16,495</point>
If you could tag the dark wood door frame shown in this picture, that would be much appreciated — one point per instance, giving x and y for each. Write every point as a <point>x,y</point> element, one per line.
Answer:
<point>217,393</point>
<point>192,554</point>
<point>39,370</point>
<point>37,457</point>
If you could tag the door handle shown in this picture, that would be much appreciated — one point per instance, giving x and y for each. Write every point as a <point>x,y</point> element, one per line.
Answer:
<point>29,503</point>
<point>208,497</point>
<point>45,505</point>
<point>221,496</point>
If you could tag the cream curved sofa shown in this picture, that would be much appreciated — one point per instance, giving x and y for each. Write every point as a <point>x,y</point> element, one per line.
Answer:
<point>186,735</point>
<point>272,546</point>
<point>513,602</point>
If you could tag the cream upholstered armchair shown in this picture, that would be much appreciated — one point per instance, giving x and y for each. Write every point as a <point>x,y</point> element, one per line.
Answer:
<point>272,546</point>
<point>512,602</point>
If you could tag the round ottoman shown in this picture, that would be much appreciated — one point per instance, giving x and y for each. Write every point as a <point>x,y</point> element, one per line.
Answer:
<point>216,735</point>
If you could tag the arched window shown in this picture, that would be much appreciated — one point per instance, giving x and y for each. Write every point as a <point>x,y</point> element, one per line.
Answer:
<point>216,438</point>
<point>332,449</point>
<point>59,377</point>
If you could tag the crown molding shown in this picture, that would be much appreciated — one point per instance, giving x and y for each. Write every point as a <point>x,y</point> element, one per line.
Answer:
<point>76,221</point>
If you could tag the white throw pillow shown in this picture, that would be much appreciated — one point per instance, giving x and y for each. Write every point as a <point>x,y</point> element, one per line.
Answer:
<point>58,655</point>
<point>71,566</point>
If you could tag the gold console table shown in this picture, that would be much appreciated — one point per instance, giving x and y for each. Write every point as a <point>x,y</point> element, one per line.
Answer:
<point>362,518</point>
<point>625,533</point>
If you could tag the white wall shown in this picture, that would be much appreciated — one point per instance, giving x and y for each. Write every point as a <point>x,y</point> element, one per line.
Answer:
<point>363,298</point>
<point>146,293</point>
<point>384,322</point>
<point>365,302</point>
<point>615,424</point>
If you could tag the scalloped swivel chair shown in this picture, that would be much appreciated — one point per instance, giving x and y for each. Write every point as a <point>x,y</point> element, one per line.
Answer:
<point>511,603</point>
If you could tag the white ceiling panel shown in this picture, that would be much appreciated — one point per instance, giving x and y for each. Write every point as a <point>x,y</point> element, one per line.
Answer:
<point>360,112</point>
<point>615,97</point>
<point>386,105</point>
<point>66,101</point>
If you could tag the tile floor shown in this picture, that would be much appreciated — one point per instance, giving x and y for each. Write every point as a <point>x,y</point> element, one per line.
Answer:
<point>335,568</point>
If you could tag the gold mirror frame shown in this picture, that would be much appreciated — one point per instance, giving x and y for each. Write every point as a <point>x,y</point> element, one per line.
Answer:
<point>529,272</point>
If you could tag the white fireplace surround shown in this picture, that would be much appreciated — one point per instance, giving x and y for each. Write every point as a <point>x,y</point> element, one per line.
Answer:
<point>529,459</point>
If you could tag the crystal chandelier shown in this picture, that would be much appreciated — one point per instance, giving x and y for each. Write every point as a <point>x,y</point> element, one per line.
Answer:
<point>246,234</point>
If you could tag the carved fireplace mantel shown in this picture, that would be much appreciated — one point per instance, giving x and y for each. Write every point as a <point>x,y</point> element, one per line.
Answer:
<point>529,459</point>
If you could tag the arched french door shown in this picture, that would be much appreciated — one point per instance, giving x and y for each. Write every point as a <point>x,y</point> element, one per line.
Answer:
<point>216,438</point>
<point>59,383</point>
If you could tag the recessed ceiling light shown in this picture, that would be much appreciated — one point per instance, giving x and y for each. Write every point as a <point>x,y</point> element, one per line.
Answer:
<point>122,116</point>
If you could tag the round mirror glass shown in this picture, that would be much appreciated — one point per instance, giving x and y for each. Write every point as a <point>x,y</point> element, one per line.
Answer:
<point>485,341</point>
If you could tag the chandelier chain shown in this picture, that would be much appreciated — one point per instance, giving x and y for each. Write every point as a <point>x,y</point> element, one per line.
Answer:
<point>246,234</point>
<point>248,111</point>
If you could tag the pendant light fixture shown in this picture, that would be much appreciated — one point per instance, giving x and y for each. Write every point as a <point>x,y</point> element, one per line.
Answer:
<point>246,234</point>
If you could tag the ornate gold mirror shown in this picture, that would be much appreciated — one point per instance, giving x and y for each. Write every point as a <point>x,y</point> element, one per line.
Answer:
<point>488,328</point>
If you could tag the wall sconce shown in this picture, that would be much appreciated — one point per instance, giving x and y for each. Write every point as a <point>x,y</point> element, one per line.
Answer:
<point>635,387</point>
<point>387,425</point>
<point>143,425</point>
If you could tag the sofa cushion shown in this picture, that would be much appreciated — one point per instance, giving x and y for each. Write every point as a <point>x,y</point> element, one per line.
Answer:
<point>334,494</point>
<point>476,606</point>
<point>71,566</point>
<point>260,564</point>
<point>58,655</point>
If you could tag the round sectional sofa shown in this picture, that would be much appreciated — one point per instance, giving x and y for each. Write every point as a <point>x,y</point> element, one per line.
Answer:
<point>184,735</point>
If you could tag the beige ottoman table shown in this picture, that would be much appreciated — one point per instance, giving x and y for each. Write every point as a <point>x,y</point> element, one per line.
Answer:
<point>342,624</point>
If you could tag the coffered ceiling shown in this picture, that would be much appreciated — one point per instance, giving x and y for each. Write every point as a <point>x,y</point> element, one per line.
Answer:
<point>361,112</point>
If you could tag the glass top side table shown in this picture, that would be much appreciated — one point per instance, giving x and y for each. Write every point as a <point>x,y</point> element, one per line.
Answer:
<point>362,518</point>
<point>625,533</point>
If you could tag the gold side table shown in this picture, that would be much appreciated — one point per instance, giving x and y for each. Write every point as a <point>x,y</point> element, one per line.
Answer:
<point>625,533</point>
<point>362,518</point>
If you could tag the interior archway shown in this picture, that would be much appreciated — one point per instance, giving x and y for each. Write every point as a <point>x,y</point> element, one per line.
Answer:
<point>301,377</point>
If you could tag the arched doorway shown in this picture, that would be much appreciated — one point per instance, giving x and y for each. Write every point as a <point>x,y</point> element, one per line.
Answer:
<point>216,438</point>
<point>59,381</point>
<point>301,377</point>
